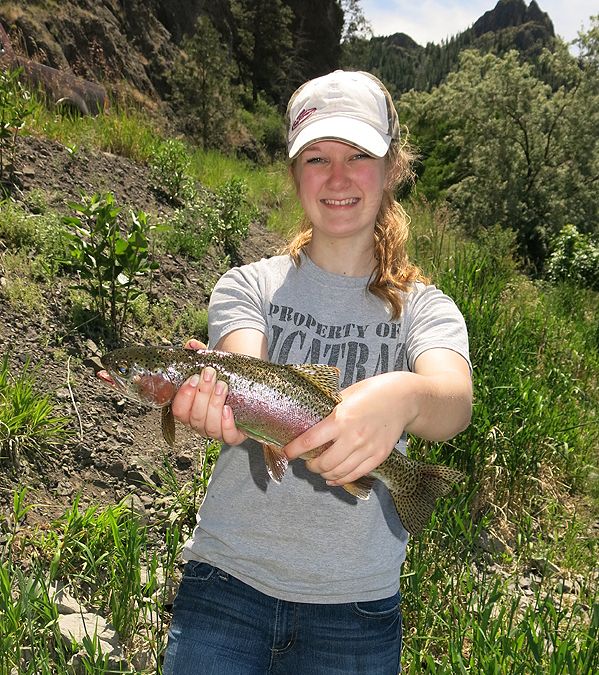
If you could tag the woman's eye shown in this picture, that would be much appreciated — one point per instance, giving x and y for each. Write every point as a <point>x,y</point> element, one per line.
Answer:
<point>314,160</point>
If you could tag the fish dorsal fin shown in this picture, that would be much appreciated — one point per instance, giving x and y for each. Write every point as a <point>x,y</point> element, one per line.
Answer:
<point>325,377</point>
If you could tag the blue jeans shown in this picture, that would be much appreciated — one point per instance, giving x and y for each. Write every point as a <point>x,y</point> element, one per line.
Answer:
<point>222,626</point>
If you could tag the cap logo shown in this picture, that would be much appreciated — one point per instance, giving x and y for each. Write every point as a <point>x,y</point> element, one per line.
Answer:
<point>301,117</point>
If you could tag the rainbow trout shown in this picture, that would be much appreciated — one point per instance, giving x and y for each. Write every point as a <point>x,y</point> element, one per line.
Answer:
<point>273,404</point>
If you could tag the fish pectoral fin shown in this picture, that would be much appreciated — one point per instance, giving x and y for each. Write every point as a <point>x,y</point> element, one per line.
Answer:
<point>276,461</point>
<point>168,425</point>
<point>360,488</point>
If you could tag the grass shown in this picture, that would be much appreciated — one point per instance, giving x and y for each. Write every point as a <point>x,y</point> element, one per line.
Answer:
<point>530,454</point>
<point>29,427</point>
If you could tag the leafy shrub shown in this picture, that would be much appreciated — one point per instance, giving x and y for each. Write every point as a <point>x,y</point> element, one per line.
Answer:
<point>38,235</point>
<point>189,229</point>
<point>170,170</point>
<point>221,219</point>
<point>236,214</point>
<point>108,262</point>
<point>575,257</point>
<point>266,128</point>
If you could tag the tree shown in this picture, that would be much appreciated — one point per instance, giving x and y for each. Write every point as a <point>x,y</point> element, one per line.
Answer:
<point>203,95</point>
<point>527,153</point>
<point>264,46</point>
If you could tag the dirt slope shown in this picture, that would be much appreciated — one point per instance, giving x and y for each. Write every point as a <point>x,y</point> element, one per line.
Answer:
<point>116,444</point>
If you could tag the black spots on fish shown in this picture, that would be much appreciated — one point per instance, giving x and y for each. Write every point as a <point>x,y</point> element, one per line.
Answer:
<point>415,487</point>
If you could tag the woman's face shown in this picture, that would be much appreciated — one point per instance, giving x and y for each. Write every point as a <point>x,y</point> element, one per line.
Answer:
<point>340,189</point>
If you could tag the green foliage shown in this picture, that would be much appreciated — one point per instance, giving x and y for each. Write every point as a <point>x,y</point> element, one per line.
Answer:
<point>534,377</point>
<point>220,219</point>
<point>461,619</point>
<point>264,47</point>
<point>34,234</point>
<point>169,165</point>
<point>575,257</point>
<point>522,153</point>
<point>203,94</point>
<point>535,426</point>
<point>267,131</point>
<point>103,551</point>
<point>105,557</point>
<point>15,108</point>
<point>109,263</point>
<point>182,501</point>
<point>235,216</point>
<point>123,131</point>
<point>29,427</point>
<point>189,229</point>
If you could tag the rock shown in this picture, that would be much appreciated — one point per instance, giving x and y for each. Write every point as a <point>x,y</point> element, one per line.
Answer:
<point>116,469</point>
<point>544,566</point>
<point>135,504</point>
<point>77,626</point>
<point>138,477</point>
<point>491,543</point>
<point>565,586</point>
<point>64,601</point>
<point>184,461</point>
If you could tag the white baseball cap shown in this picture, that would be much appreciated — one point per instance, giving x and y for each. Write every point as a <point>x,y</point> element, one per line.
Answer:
<point>349,106</point>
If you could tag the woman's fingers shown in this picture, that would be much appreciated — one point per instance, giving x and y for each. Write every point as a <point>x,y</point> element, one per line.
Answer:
<point>194,344</point>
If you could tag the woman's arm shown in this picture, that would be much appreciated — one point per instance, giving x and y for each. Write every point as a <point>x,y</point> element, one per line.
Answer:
<point>200,402</point>
<point>433,402</point>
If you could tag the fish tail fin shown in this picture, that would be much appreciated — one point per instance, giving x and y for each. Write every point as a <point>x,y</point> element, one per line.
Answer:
<point>416,488</point>
<point>360,488</point>
<point>276,461</point>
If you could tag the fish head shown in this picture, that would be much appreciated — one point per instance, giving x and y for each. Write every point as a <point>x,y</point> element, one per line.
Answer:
<point>147,383</point>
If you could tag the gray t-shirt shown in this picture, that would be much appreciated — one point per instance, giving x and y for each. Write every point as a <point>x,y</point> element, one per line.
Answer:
<point>301,540</point>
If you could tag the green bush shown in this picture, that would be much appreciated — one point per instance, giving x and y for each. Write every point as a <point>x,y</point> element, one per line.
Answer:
<point>109,263</point>
<point>169,164</point>
<point>220,219</point>
<point>575,257</point>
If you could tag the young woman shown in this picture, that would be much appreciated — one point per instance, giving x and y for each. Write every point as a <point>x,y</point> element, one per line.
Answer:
<point>300,577</point>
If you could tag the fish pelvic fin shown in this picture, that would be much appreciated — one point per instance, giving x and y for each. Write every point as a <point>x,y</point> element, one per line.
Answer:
<point>415,488</point>
<point>360,488</point>
<point>276,461</point>
<point>321,375</point>
<point>167,423</point>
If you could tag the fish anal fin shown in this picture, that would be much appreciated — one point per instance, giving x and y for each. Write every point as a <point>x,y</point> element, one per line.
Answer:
<point>321,375</point>
<point>168,425</point>
<point>360,488</point>
<point>276,461</point>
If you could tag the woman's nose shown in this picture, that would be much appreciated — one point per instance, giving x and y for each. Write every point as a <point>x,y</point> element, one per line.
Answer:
<point>338,174</point>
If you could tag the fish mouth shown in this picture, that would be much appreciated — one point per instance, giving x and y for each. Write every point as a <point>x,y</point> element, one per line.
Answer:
<point>105,376</point>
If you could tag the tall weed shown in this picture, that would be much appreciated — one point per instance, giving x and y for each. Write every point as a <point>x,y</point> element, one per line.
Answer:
<point>29,427</point>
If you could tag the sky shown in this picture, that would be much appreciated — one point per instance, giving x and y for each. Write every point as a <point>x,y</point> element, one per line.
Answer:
<point>436,20</point>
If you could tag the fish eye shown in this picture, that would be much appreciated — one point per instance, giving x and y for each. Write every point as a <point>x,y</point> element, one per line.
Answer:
<point>123,370</point>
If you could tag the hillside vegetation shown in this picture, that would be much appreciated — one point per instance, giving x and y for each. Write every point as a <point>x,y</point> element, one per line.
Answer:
<point>113,229</point>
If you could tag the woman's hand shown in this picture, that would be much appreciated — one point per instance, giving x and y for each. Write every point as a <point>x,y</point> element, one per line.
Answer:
<point>433,402</point>
<point>362,431</point>
<point>200,404</point>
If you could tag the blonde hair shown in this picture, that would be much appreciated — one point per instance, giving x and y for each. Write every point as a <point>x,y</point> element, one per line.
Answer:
<point>394,274</point>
